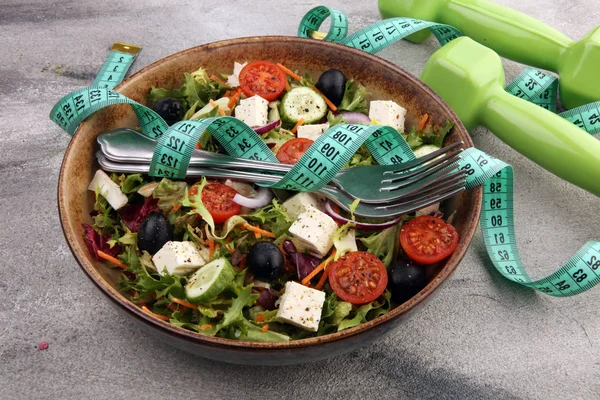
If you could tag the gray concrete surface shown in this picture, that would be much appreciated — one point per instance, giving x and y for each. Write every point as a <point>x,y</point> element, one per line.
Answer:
<point>481,337</point>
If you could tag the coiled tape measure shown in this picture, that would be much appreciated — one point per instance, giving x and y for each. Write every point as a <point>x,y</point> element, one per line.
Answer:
<point>333,149</point>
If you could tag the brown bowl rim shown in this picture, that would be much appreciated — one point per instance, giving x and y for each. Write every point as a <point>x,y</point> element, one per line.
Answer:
<point>120,300</point>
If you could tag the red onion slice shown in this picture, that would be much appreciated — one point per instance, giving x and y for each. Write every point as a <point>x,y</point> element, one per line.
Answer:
<point>261,130</point>
<point>361,226</point>
<point>351,117</point>
<point>262,198</point>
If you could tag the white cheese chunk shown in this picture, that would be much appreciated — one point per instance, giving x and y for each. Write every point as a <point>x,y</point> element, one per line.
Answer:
<point>312,132</point>
<point>234,79</point>
<point>297,204</point>
<point>178,258</point>
<point>301,306</point>
<point>253,111</point>
<point>108,189</point>
<point>315,230</point>
<point>386,112</point>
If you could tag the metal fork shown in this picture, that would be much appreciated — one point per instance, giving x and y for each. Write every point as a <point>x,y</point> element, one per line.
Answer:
<point>126,145</point>
<point>436,192</point>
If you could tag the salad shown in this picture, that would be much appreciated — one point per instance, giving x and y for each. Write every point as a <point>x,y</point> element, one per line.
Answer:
<point>234,260</point>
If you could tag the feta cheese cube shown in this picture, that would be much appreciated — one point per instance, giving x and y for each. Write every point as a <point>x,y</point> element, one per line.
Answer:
<point>386,112</point>
<point>108,189</point>
<point>253,111</point>
<point>297,204</point>
<point>301,306</point>
<point>234,79</point>
<point>315,230</point>
<point>312,132</point>
<point>178,258</point>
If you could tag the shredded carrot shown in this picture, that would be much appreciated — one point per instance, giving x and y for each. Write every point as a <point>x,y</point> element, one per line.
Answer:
<point>227,94</point>
<point>215,105</point>
<point>211,248</point>
<point>423,122</point>
<point>184,303</point>
<point>229,248</point>
<point>112,259</point>
<point>322,280</point>
<point>159,316</point>
<point>234,99</point>
<point>319,268</point>
<point>258,230</point>
<point>218,80</point>
<point>298,124</point>
<point>217,246</point>
<point>287,86</point>
<point>327,101</point>
<point>260,318</point>
<point>205,327</point>
<point>265,328</point>
<point>173,307</point>
<point>289,72</point>
<point>176,207</point>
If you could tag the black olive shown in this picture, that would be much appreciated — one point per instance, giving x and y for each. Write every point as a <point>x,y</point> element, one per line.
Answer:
<point>154,232</point>
<point>169,109</point>
<point>406,278</point>
<point>332,83</point>
<point>265,260</point>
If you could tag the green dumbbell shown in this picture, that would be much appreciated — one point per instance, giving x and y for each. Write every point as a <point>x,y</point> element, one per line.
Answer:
<point>470,78</point>
<point>515,36</point>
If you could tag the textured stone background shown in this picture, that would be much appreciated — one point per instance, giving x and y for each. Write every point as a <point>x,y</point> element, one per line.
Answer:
<point>480,337</point>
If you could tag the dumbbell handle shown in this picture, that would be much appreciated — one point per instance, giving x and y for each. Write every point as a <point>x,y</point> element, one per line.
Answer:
<point>545,138</point>
<point>510,33</point>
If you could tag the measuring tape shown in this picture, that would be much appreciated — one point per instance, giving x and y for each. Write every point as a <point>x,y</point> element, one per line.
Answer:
<point>329,154</point>
<point>532,85</point>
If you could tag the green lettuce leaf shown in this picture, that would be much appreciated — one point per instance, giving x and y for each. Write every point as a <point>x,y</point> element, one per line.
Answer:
<point>355,98</point>
<point>413,139</point>
<point>383,244</point>
<point>433,136</point>
<point>276,138</point>
<point>368,312</point>
<point>132,183</point>
<point>272,217</point>
<point>437,137</point>
<point>362,158</point>
<point>255,334</point>
<point>333,120</point>
<point>168,193</point>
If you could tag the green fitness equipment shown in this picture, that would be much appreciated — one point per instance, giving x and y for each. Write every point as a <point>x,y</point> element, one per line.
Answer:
<point>470,78</point>
<point>516,36</point>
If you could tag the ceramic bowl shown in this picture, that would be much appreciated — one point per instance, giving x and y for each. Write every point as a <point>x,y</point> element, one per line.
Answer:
<point>383,80</point>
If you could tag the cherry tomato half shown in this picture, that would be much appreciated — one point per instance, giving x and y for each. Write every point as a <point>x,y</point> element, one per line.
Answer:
<point>262,78</point>
<point>291,151</point>
<point>358,277</point>
<point>427,239</point>
<point>218,200</point>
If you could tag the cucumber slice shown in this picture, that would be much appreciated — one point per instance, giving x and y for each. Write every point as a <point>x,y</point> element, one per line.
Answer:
<point>302,102</point>
<point>425,149</point>
<point>209,281</point>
